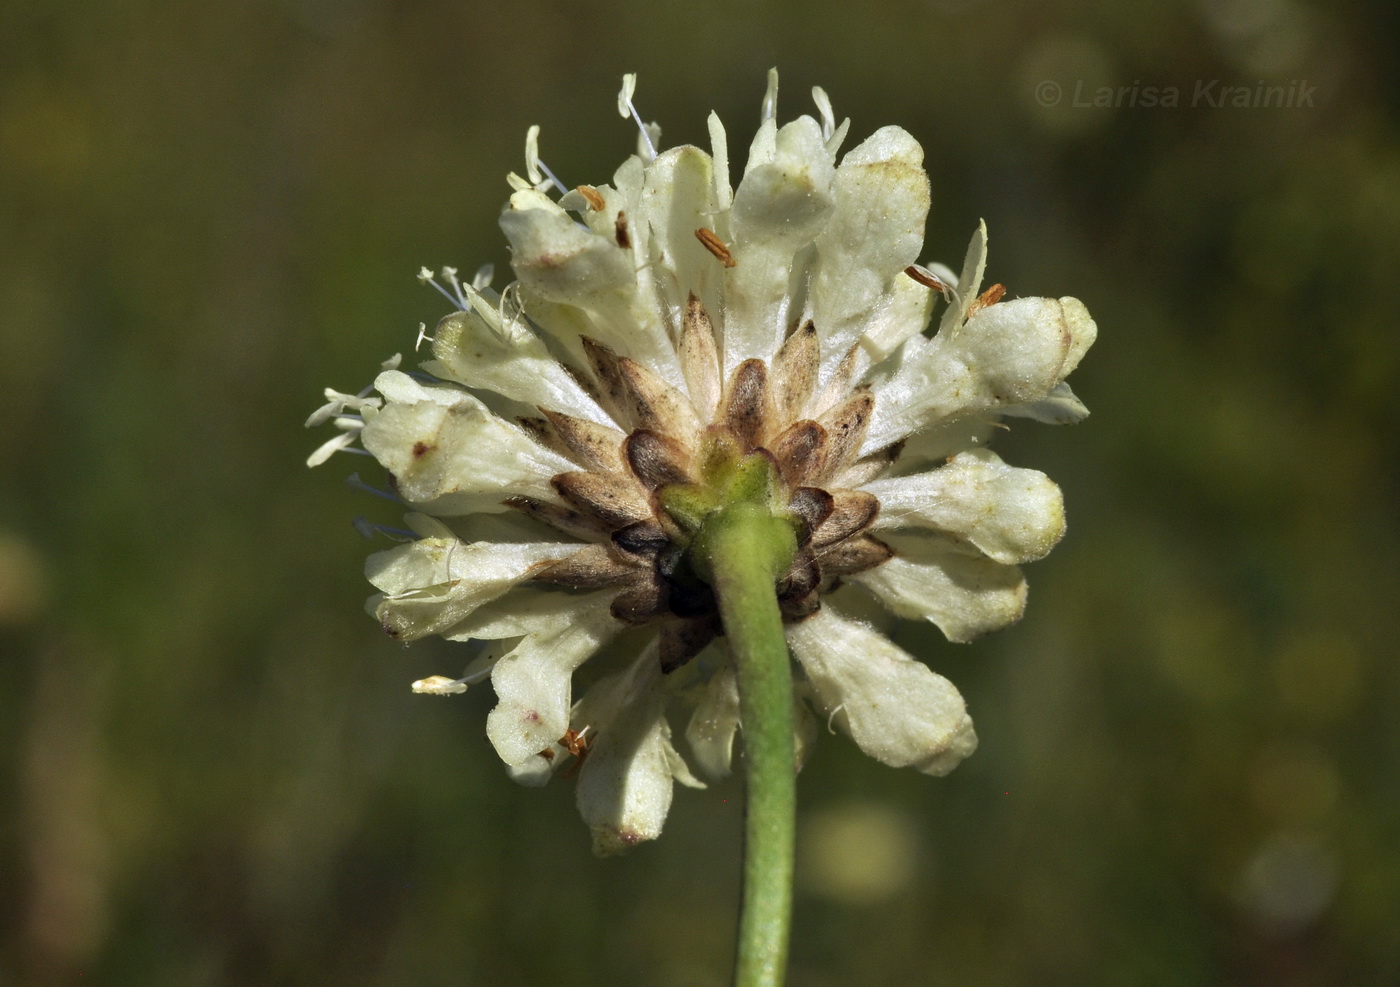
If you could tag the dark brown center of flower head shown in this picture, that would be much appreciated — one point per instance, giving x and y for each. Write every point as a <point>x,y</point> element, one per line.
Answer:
<point>646,487</point>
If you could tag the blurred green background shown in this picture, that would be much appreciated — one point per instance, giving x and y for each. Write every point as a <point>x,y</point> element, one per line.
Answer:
<point>214,772</point>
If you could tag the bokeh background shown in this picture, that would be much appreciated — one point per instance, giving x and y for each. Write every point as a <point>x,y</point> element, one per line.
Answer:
<point>213,770</point>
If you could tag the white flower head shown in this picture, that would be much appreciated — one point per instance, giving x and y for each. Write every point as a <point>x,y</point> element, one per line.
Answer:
<point>662,328</point>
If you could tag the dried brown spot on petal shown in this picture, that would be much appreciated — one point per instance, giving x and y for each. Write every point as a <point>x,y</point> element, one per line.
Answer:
<point>656,460</point>
<point>682,640</point>
<point>800,451</point>
<point>748,404</point>
<point>845,426</point>
<point>612,498</point>
<point>643,601</point>
<point>591,445</point>
<point>852,511</point>
<point>565,519</point>
<point>654,404</point>
<point>624,239</point>
<point>591,567</point>
<point>812,506</point>
<point>854,555</point>
<point>699,357</point>
<point>795,371</point>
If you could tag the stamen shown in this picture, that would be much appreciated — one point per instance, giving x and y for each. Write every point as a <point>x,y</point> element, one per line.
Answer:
<point>626,108</point>
<point>532,154</point>
<point>423,336</point>
<point>425,276</point>
<point>440,685</point>
<point>368,529</point>
<point>354,482</point>
<point>715,245</point>
<point>987,299</point>
<point>823,102</point>
<point>770,98</point>
<point>592,196</point>
<point>449,274</point>
<point>536,169</point>
<point>928,279</point>
<point>341,443</point>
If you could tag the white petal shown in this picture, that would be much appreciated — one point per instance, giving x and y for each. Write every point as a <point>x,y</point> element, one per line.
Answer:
<point>904,311</point>
<point>1009,353</point>
<point>559,259</point>
<point>1013,515</point>
<point>624,786</point>
<point>896,709</point>
<point>512,363</point>
<point>714,723</point>
<point>536,771</point>
<point>719,147</point>
<point>970,281</point>
<point>534,683</point>
<point>451,455</point>
<point>678,199</point>
<point>431,584</point>
<point>876,231</point>
<point>965,595</point>
<point>780,206</point>
<point>1060,407</point>
<point>527,610</point>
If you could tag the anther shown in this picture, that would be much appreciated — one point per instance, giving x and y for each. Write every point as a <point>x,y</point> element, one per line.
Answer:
<point>715,245</point>
<point>592,196</point>
<point>626,108</point>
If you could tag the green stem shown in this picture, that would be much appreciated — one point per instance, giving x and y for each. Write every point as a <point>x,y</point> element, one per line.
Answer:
<point>746,548</point>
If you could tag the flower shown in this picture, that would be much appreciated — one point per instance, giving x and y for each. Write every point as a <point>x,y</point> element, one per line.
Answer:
<point>661,329</point>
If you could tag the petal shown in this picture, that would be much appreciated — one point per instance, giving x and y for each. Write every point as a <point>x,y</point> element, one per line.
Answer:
<point>974,264</point>
<point>1013,515</point>
<point>965,595</point>
<point>431,584</point>
<point>678,199</point>
<point>714,723</point>
<point>1009,353</point>
<point>904,311</point>
<point>527,610</point>
<point>560,259</point>
<point>876,231</point>
<point>1059,407</point>
<point>534,682</point>
<point>450,455</point>
<point>510,360</point>
<point>781,204</point>
<point>624,786</point>
<point>896,709</point>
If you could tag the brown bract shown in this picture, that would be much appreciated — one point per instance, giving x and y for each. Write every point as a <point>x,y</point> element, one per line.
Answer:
<point>614,501</point>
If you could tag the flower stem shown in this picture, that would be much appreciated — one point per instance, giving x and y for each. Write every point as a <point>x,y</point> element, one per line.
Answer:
<point>746,548</point>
